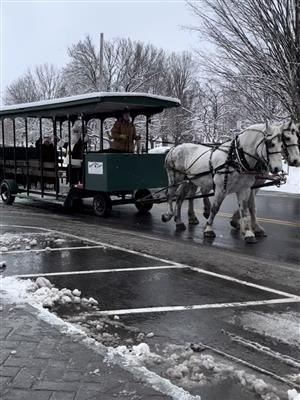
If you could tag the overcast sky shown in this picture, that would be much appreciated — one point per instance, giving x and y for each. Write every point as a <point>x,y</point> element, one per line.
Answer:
<point>34,32</point>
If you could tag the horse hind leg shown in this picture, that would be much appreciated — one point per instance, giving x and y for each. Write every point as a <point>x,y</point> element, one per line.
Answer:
<point>170,193</point>
<point>235,220</point>
<point>193,220</point>
<point>218,199</point>
<point>180,196</point>
<point>206,207</point>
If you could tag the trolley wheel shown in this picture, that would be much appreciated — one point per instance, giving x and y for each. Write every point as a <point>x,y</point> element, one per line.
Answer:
<point>102,205</point>
<point>140,194</point>
<point>6,194</point>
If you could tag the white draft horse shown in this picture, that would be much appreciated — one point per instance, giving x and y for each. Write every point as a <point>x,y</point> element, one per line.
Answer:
<point>291,153</point>
<point>221,169</point>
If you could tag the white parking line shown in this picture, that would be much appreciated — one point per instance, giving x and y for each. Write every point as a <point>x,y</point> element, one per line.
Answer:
<point>164,261</point>
<point>99,271</point>
<point>49,249</point>
<point>242,282</point>
<point>195,307</point>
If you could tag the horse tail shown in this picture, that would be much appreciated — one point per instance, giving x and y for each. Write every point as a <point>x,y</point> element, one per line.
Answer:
<point>171,188</point>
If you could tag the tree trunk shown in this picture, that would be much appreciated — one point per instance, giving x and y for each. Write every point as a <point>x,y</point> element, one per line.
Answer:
<point>297,25</point>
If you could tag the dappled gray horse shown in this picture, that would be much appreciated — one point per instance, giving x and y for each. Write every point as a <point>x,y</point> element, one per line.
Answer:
<point>221,169</point>
<point>291,153</point>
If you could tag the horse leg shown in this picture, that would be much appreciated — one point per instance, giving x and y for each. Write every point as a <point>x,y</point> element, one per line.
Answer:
<point>170,192</point>
<point>180,196</point>
<point>235,219</point>
<point>218,199</point>
<point>193,220</point>
<point>206,207</point>
<point>257,229</point>
<point>243,199</point>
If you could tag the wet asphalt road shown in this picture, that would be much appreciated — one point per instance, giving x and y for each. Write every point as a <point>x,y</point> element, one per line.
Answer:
<point>279,215</point>
<point>272,262</point>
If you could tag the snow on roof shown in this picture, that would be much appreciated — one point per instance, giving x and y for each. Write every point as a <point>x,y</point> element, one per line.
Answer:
<point>89,96</point>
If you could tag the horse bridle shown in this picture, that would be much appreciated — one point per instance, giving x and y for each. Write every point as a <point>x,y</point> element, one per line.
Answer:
<point>268,142</point>
<point>287,145</point>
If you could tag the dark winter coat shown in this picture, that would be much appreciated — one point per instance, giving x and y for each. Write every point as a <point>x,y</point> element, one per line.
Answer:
<point>123,134</point>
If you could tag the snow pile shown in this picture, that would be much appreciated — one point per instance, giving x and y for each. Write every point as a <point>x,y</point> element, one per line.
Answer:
<point>42,293</point>
<point>29,240</point>
<point>293,394</point>
<point>292,184</point>
<point>192,370</point>
<point>137,354</point>
<point>10,241</point>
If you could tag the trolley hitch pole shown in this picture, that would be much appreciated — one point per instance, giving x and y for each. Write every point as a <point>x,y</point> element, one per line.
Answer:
<point>160,200</point>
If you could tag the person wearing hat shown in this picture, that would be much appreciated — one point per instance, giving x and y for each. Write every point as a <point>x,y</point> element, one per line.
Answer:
<point>124,134</point>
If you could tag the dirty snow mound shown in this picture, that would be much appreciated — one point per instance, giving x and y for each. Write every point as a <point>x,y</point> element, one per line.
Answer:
<point>138,353</point>
<point>41,292</point>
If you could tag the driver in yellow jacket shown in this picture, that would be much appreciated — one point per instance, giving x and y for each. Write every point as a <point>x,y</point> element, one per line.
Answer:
<point>124,134</point>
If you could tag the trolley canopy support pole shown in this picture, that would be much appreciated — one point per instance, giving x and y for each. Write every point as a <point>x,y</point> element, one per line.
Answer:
<point>69,150</point>
<point>82,148</point>
<point>60,147</point>
<point>14,138</point>
<point>147,133</point>
<point>3,147</point>
<point>101,133</point>
<point>82,137</point>
<point>26,154</point>
<point>41,157</point>
<point>55,157</point>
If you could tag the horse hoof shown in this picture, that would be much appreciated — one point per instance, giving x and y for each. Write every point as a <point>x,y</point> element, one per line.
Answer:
<point>180,227</point>
<point>165,218</point>
<point>235,224</point>
<point>209,235</point>
<point>250,240</point>
<point>260,234</point>
<point>206,214</point>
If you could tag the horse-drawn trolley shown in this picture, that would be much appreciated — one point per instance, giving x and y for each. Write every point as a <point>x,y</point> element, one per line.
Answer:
<point>37,156</point>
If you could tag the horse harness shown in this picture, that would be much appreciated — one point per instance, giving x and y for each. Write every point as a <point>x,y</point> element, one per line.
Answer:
<point>236,159</point>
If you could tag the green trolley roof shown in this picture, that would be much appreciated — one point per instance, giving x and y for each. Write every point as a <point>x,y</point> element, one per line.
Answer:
<point>93,105</point>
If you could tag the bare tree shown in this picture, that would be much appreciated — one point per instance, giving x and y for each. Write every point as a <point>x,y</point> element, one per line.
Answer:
<point>180,81</point>
<point>42,83</point>
<point>257,44</point>
<point>128,66</point>
<point>82,72</point>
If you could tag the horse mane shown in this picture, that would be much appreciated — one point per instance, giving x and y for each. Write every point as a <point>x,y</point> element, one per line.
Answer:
<point>271,130</point>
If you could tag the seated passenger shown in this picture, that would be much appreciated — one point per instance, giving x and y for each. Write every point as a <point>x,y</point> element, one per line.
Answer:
<point>77,152</point>
<point>79,146</point>
<point>48,150</point>
<point>124,134</point>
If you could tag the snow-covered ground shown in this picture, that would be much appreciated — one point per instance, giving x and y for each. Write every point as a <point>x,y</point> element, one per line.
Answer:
<point>283,327</point>
<point>292,184</point>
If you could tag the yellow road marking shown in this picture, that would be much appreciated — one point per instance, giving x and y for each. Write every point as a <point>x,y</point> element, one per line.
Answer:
<point>260,219</point>
<point>268,220</point>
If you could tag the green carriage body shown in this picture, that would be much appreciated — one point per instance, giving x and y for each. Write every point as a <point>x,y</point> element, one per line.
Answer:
<point>113,173</point>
